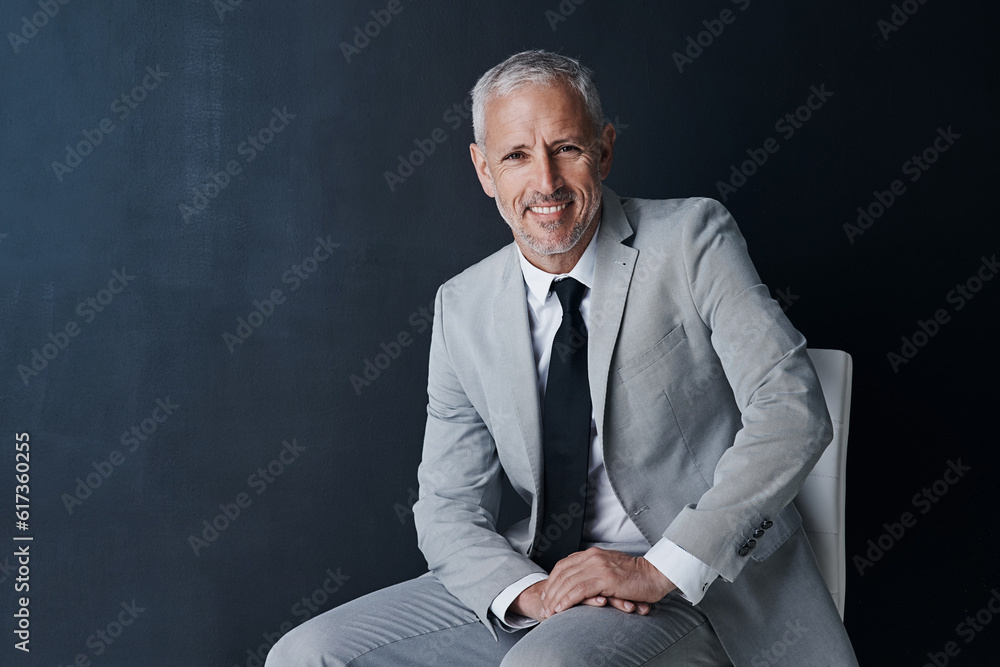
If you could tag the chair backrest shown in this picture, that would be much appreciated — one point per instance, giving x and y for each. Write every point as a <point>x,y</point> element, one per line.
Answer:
<point>821,501</point>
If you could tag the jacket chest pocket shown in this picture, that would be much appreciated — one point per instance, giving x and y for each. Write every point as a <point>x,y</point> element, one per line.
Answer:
<point>651,358</point>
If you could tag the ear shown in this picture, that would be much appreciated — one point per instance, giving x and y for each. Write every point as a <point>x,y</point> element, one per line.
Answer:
<point>482,169</point>
<point>608,136</point>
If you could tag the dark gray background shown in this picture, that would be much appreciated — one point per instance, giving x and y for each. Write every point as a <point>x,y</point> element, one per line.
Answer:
<point>342,504</point>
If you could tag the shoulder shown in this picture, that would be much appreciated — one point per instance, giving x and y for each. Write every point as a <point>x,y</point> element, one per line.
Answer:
<point>483,279</point>
<point>672,213</point>
<point>693,221</point>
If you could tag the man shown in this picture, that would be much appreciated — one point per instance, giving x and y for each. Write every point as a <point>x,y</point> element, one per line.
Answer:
<point>623,366</point>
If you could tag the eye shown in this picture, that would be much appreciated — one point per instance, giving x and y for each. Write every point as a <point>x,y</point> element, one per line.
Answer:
<point>568,149</point>
<point>513,156</point>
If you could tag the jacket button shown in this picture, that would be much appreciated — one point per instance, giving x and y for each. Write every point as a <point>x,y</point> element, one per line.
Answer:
<point>751,543</point>
<point>759,532</point>
<point>766,523</point>
<point>744,550</point>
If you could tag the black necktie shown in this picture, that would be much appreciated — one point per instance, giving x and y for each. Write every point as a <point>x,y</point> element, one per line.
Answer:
<point>565,432</point>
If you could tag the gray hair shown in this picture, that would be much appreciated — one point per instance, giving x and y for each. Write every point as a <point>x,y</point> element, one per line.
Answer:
<point>534,68</point>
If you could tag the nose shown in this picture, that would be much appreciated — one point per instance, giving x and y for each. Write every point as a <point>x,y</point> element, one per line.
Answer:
<point>548,178</point>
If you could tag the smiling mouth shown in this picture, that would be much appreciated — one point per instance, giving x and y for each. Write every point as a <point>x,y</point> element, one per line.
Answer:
<point>545,210</point>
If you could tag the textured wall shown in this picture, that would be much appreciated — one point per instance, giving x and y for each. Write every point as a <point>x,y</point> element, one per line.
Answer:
<point>216,213</point>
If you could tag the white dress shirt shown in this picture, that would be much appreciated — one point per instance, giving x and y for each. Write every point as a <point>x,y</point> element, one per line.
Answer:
<point>604,519</point>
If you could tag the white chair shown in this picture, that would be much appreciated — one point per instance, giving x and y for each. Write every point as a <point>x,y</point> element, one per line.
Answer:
<point>821,501</point>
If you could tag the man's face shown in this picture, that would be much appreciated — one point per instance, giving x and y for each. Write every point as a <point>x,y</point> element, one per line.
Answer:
<point>544,165</point>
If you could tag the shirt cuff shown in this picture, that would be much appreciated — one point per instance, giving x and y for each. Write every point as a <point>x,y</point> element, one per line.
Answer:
<point>509,620</point>
<point>691,576</point>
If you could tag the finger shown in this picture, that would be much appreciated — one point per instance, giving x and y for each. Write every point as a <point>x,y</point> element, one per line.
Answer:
<point>599,601</point>
<point>626,606</point>
<point>584,575</point>
<point>572,591</point>
<point>629,606</point>
<point>557,586</point>
<point>576,579</point>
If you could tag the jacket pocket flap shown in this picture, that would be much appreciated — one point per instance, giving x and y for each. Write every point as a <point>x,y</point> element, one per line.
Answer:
<point>659,350</point>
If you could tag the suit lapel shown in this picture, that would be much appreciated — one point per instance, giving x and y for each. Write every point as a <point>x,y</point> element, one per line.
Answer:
<point>612,276</point>
<point>510,315</point>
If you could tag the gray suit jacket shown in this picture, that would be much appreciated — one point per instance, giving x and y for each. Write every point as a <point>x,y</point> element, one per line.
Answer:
<point>709,408</point>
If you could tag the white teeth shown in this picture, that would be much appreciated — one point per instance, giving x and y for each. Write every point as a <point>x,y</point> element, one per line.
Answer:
<point>548,209</point>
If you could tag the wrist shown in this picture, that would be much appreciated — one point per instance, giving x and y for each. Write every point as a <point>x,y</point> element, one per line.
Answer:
<point>528,603</point>
<point>660,582</point>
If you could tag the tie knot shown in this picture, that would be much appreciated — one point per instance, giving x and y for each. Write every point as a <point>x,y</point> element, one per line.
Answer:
<point>570,292</point>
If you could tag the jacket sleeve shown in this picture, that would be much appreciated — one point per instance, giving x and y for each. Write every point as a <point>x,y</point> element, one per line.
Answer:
<point>785,422</point>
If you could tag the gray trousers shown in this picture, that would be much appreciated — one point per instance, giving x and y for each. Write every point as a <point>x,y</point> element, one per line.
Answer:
<point>418,622</point>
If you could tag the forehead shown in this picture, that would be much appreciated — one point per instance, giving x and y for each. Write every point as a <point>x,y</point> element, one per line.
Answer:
<point>535,112</point>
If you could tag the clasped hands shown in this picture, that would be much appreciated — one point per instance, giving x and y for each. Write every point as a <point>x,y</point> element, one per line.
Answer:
<point>595,577</point>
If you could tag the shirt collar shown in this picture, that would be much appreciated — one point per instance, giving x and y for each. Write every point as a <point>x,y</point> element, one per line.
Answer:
<point>540,282</point>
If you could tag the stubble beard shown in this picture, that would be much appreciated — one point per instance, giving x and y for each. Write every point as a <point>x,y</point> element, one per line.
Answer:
<point>546,247</point>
